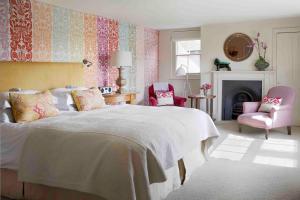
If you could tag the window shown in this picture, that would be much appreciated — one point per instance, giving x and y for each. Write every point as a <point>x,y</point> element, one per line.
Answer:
<point>188,53</point>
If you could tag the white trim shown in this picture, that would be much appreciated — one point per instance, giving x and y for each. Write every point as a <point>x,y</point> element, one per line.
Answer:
<point>218,76</point>
<point>277,31</point>
<point>192,76</point>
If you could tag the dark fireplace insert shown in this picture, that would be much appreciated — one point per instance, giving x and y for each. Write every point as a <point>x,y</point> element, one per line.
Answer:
<point>234,93</point>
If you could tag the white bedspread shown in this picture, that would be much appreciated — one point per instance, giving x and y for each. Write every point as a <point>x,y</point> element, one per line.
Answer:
<point>116,152</point>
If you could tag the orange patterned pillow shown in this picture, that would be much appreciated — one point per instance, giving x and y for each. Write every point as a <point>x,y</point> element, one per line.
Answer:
<point>30,107</point>
<point>88,99</point>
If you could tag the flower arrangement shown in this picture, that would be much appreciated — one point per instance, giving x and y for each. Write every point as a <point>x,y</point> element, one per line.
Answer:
<point>205,87</point>
<point>261,64</point>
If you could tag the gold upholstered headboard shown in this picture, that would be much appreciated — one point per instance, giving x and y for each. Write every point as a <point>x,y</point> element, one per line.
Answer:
<point>39,75</point>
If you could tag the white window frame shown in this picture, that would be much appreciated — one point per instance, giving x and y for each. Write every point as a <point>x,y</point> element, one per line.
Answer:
<point>174,60</point>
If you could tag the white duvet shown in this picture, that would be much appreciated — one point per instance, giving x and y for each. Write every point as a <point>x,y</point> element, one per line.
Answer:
<point>115,152</point>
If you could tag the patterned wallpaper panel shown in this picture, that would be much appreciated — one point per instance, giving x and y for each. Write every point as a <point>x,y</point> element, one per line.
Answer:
<point>151,56</point>
<point>4,30</point>
<point>36,31</point>
<point>41,36</point>
<point>60,34</point>
<point>20,21</point>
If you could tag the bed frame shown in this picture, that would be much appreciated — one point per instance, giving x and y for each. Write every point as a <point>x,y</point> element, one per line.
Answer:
<point>43,76</point>
<point>40,75</point>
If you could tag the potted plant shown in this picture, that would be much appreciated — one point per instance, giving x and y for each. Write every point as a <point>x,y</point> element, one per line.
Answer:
<point>261,64</point>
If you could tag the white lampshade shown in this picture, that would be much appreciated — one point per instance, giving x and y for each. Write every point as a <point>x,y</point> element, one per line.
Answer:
<point>121,59</point>
<point>181,71</point>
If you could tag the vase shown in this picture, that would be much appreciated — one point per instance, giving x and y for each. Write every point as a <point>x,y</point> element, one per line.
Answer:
<point>261,64</point>
<point>205,92</point>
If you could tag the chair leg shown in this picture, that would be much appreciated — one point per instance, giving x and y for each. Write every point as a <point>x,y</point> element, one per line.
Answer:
<point>289,129</point>
<point>267,134</point>
<point>240,128</point>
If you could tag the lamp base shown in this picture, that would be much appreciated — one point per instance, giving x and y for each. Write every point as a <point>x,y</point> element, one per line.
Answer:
<point>121,82</point>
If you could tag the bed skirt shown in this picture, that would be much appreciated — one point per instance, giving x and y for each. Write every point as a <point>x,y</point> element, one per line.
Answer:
<point>12,188</point>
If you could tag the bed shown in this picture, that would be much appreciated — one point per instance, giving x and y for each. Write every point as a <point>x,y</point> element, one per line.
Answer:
<point>117,152</point>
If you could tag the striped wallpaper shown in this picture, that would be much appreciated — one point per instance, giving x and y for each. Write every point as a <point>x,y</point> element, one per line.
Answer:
<point>36,31</point>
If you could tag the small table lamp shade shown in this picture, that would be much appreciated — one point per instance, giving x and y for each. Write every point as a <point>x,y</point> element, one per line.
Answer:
<point>121,59</point>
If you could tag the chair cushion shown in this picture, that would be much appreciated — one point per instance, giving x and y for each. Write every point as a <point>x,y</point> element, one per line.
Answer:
<point>258,120</point>
<point>164,98</point>
<point>268,103</point>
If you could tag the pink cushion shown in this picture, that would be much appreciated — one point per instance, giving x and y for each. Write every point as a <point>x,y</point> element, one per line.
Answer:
<point>269,103</point>
<point>258,119</point>
<point>164,98</point>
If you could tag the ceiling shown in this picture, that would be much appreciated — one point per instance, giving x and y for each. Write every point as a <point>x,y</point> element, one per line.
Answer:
<point>167,14</point>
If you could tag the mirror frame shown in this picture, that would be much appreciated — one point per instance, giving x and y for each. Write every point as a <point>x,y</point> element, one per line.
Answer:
<point>234,36</point>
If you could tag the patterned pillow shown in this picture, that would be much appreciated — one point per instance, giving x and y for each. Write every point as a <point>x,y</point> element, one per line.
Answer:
<point>30,107</point>
<point>268,103</point>
<point>164,98</point>
<point>88,99</point>
<point>4,97</point>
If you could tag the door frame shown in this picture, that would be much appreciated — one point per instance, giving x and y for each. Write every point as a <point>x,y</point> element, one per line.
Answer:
<point>277,31</point>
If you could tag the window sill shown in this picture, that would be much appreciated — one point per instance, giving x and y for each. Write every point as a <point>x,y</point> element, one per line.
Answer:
<point>183,78</point>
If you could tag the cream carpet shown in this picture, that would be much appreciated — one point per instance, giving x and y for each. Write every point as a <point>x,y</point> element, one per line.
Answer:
<point>247,167</point>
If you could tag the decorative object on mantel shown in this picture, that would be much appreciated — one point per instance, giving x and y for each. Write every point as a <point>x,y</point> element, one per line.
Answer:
<point>261,64</point>
<point>222,64</point>
<point>183,71</point>
<point>238,47</point>
<point>121,59</point>
<point>205,87</point>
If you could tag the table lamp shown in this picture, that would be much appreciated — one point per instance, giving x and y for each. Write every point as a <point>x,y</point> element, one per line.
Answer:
<point>121,59</point>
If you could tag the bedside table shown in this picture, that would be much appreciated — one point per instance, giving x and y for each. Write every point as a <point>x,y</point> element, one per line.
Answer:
<point>117,98</point>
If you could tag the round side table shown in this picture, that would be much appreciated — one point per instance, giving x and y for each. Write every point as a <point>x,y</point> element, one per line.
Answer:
<point>209,102</point>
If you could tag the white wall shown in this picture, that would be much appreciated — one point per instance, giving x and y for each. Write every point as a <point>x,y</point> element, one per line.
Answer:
<point>212,39</point>
<point>214,36</point>
<point>166,63</point>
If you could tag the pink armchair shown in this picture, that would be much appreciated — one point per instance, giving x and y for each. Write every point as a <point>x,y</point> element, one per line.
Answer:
<point>178,101</point>
<point>276,118</point>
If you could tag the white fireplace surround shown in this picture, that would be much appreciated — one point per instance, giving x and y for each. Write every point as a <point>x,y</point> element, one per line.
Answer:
<point>267,78</point>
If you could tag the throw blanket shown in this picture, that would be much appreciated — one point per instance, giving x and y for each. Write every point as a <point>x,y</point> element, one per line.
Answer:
<point>114,152</point>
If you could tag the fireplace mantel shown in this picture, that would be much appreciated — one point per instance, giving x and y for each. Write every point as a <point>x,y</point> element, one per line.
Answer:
<point>267,78</point>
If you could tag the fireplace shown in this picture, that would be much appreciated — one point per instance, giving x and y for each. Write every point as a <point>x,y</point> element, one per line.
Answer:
<point>235,92</point>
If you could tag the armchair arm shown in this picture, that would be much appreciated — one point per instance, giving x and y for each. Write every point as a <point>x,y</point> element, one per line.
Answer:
<point>284,111</point>
<point>282,116</point>
<point>179,101</point>
<point>250,107</point>
<point>152,101</point>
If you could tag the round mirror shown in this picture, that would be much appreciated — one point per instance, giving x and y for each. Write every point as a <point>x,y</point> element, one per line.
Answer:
<point>238,47</point>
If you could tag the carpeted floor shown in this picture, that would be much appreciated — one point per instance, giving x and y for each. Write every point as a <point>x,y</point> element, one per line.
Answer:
<point>247,167</point>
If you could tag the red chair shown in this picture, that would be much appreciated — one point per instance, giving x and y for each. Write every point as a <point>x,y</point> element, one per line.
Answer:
<point>178,101</point>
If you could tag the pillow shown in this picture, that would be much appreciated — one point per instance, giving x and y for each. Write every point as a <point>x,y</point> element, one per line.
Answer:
<point>4,97</point>
<point>268,103</point>
<point>63,99</point>
<point>88,99</point>
<point>164,98</point>
<point>6,116</point>
<point>30,107</point>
